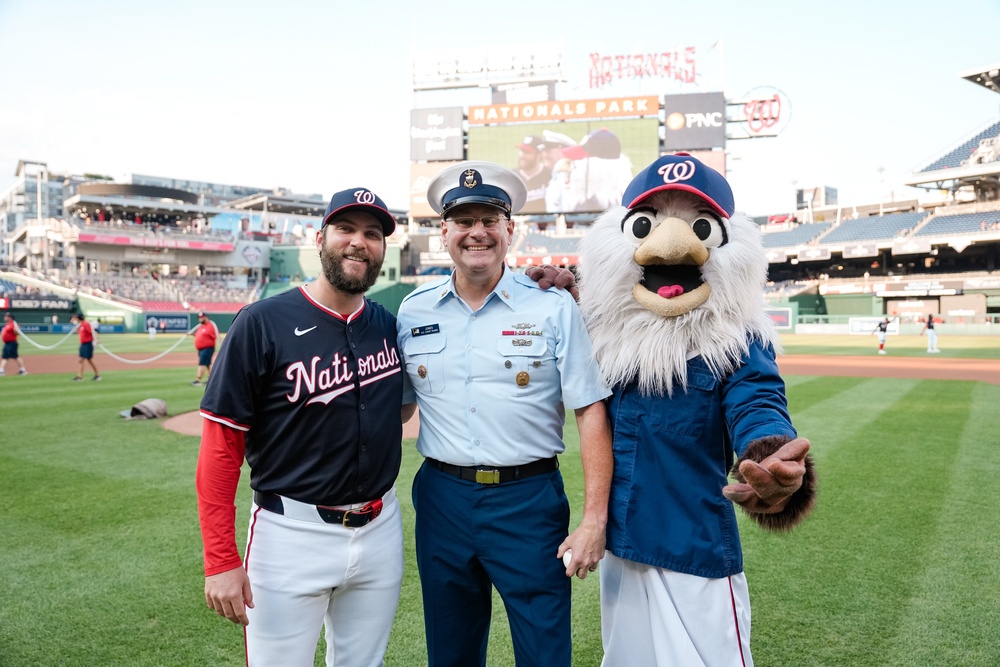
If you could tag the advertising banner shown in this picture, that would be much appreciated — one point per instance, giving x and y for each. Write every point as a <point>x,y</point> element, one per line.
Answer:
<point>694,121</point>
<point>436,134</point>
<point>865,326</point>
<point>168,323</point>
<point>608,107</point>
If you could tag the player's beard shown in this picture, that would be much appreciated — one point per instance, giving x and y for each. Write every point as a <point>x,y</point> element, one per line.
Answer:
<point>333,270</point>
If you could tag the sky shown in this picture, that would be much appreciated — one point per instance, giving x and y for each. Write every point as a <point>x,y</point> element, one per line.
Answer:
<point>315,96</point>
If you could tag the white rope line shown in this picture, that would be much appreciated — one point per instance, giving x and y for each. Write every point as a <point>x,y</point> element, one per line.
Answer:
<point>151,359</point>
<point>46,347</point>
<point>109,352</point>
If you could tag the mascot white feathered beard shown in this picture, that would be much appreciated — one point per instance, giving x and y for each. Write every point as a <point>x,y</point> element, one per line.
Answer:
<point>671,286</point>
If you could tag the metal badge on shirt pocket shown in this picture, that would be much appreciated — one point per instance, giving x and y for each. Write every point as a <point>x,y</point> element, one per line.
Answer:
<point>424,357</point>
<point>522,367</point>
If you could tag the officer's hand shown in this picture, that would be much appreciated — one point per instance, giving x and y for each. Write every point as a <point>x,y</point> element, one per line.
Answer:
<point>228,593</point>
<point>771,482</point>
<point>547,276</point>
<point>585,546</point>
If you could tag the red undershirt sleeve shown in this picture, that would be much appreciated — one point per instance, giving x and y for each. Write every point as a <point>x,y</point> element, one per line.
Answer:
<point>216,480</point>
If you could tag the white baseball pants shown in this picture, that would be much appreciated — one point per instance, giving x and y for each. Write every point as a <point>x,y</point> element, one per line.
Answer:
<point>655,617</point>
<point>306,574</point>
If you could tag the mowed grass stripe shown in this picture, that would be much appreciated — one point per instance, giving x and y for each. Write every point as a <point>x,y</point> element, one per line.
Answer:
<point>103,572</point>
<point>906,471</point>
<point>953,615</point>
<point>839,584</point>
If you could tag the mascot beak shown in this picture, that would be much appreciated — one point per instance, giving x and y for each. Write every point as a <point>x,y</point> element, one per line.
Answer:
<point>671,257</point>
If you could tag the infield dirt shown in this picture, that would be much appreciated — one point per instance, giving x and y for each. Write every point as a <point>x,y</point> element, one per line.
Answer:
<point>933,368</point>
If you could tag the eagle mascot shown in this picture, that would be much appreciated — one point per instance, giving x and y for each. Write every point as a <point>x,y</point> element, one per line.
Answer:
<point>671,286</point>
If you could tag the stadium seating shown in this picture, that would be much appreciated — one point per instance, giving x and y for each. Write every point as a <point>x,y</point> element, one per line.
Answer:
<point>874,227</point>
<point>955,157</point>
<point>795,237</point>
<point>535,244</point>
<point>965,223</point>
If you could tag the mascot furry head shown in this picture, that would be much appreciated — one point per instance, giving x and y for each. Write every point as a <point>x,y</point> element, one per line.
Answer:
<point>672,273</point>
<point>676,274</point>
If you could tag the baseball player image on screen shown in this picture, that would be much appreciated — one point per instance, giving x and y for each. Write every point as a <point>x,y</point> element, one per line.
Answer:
<point>307,387</point>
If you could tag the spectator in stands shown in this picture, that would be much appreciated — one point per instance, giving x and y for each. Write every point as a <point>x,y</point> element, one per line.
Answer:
<point>205,336</point>
<point>9,338</point>
<point>87,339</point>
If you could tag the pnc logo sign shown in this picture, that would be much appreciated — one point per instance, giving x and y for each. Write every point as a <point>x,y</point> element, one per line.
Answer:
<point>679,121</point>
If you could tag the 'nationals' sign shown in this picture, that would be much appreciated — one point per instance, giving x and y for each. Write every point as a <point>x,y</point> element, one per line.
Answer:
<point>679,64</point>
<point>609,107</point>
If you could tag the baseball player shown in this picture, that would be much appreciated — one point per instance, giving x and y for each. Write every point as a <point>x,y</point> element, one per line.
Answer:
<point>88,336</point>
<point>494,363</point>
<point>9,337</point>
<point>881,328</point>
<point>932,347</point>
<point>205,336</point>
<point>308,387</point>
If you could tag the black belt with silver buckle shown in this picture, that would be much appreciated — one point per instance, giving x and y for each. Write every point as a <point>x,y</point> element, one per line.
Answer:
<point>495,475</point>
<point>355,518</point>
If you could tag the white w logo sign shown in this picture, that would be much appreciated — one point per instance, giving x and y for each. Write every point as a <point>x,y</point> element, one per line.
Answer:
<point>365,197</point>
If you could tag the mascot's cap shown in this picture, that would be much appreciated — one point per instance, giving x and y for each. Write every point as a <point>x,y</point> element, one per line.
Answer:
<point>477,183</point>
<point>682,172</point>
<point>364,199</point>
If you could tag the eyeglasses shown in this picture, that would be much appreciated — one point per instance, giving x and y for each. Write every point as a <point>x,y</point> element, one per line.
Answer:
<point>489,222</point>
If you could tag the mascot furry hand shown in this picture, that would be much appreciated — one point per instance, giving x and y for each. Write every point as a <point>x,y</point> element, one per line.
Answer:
<point>671,285</point>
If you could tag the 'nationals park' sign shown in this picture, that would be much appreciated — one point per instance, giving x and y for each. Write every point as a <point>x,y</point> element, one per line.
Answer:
<point>608,107</point>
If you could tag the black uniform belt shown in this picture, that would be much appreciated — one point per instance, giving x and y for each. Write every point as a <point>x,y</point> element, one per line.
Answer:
<point>352,518</point>
<point>495,475</point>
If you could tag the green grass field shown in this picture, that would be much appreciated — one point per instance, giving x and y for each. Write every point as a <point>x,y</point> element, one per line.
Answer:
<point>100,554</point>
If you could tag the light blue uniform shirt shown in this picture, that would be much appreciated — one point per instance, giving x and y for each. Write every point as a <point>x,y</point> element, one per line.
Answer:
<point>493,385</point>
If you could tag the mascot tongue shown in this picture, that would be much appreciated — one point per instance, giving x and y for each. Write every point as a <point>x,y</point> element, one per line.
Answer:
<point>670,291</point>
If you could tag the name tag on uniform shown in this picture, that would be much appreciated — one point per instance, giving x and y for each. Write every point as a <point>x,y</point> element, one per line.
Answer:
<point>425,330</point>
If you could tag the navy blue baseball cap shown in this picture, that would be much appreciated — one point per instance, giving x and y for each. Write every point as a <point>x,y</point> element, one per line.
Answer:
<point>477,183</point>
<point>681,171</point>
<point>363,199</point>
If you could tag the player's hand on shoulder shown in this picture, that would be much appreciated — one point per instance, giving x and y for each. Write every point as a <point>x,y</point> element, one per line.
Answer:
<point>229,594</point>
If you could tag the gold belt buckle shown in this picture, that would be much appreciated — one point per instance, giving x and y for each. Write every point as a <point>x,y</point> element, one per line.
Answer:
<point>488,476</point>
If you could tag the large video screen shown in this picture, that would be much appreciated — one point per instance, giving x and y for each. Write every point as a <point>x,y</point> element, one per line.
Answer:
<point>570,167</point>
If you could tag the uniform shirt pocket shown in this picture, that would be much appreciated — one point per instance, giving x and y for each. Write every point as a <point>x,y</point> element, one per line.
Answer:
<point>524,368</point>
<point>697,399</point>
<point>424,357</point>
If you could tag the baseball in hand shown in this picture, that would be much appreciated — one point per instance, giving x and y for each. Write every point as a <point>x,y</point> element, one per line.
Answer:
<point>567,557</point>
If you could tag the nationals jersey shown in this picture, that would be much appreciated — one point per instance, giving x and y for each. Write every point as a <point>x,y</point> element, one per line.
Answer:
<point>317,394</point>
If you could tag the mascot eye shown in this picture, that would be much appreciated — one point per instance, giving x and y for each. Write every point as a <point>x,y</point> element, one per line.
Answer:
<point>637,225</point>
<point>710,230</point>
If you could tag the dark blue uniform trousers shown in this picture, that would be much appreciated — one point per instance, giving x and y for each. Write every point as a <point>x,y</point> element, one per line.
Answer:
<point>469,536</point>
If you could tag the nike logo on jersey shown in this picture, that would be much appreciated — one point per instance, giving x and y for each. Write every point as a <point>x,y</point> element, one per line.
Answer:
<point>303,332</point>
